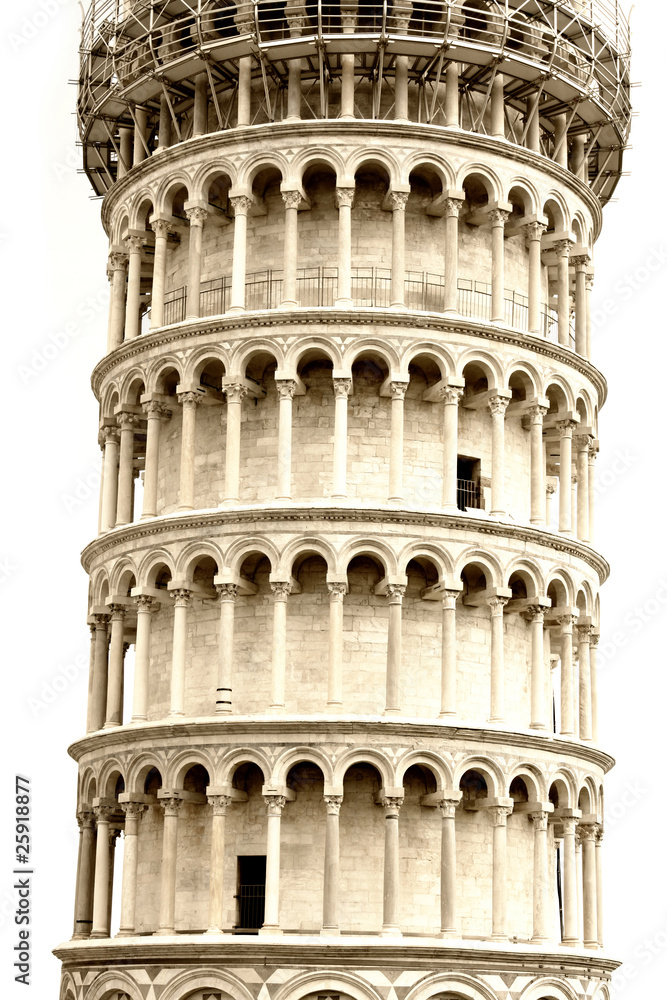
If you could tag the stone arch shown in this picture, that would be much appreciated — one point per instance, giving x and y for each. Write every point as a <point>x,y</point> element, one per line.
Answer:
<point>439,355</point>
<point>183,761</point>
<point>371,347</point>
<point>244,547</point>
<point>120,225</point>
<point>333,982</point>
<point>109,983</point>
<point>586,409</point>
<point>490,771</point>
<point>301,755</point>
<point>99,586</point>
<point>67,987</point>
<point>434,553</point>
<point>380,159</point>
<point>433,762</point>
<point>481,172</point>
<point>205,175</point>
<point>301,353</point>
<point>198,360</point>
<point>489,365</point>
<point>438,164</point>
<point>563,586</point>
<point>185,983</point>
<point>109,400</point>
<point>587,795</point>
<point>110,772</point>
<point>151,563</point>
<point>564,783</point>
<point>140,768</point>
<point>548,988</point>
<point>314,156</point>
<point>256,350</point>
<point>559,393</point>
<point>139,210</point>
<point>457,985</point>
<point>528,569</point>
<point>379,551</point>
<point>527,374</point>
<point>160,369</point>
<point>488,563</point>
<point>255,164</point>
<point>524,190</point>
<point>234,759</point>
<point>584,598</point>
<point>304,547</point>
<point>129,390</point>
<point>168,188</point>
<point>187,559</point>
<point>88,786</point>
<point>533,779</point>
<point>364,755</point>
<point>555,208</point>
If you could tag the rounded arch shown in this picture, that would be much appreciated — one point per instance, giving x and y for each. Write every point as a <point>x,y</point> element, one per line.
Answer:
<point>120,225</point>
<point>185,983</point>
<point>527,569</point>
<point>483,175</point>
<point>585,407</point>
<point>157,376</point>
<point>562,788</point>
<point>437,354</point>
<point>559,393</point>
<point>555,208</point>
<point>255,164</point>
<point>373,348</point>
<point>521,191</point>
<point>244,547</point>
<point>208,173</point>
<point>67,987</point>
<point>110,772</point>
<point>490,771</point>
<point>485,560</point>
<point>193,552</point>
<point>254,351</point>
<point>587,796</point>
<point>197,361</point>
<point>317,156</point>
<point>525,376</point>
<point>455,983</point>
<point>328,982</point>
<point>432,762</point>
<point>301,352</point>
<point>140,768</point>
<point>376,550</point>
<point>419,160</point>
<point>109,401</point>
<point>375,159</point>
<point>304,547</point>
<point>425,550</point>
<point>301,755</point>
<point>131,387</point>
<point>99,587</point>
<point>548,988</point>
<point>140,207</point>
<point>168,188</point>
<point>150,565</point>
<point>486,362</point>
<point>533,779</point>
<point>109,983</point>
<point>560,582</point>
<point>584,599</point>
<point>234,759</point>
<point>364,755</point>
<point>183,761</point>
<point>88,785</point>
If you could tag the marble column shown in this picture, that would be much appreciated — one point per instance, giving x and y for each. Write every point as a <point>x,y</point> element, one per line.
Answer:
<point>581,262</point>
<point>280,593</point>
<point>588,834</point>
<point>452,210</point>
<point>591,493</point>
<point>497,103</point>
<point>344,202</point>
<point>390,927</point>
<point>582,445</point>
<point>235,394</point>
<point>499,816</point>
<point>155,412</point>
<point>168,868</point>
<point>142,654</point>
<point>497,712</point>
<point>451,397</point>
<point>395,594</point>
<point>448,924</point>
<point>562,248</point>
<point>200,110</point>
<point>110,437</point>
<point>448,667</point>
<point>566,676</point>
<point>570,915</point>
<point>219,804</point>
<point>541,913</point>
<point>498,218</point>
<point>134,246</point>
<point>452,95</point>
<point>331,865</point>
<point>534,233</point>
<point>227,593</point>
<point>537,470</point>
<point>197,217</point>
<point>161,228</point>
<point>117,266</point>
<point>565,476</point>
<point>498,406</point>
<point>186,492</point>
<point>398,391</point>
<point>292,200</point>
<point>100,672</point>
<point>538,719</point>
<point>127,423</point>
<point>584,638</point>
<point>100,927</point>
<point>128,899</point>
<point>182,600</point>
<point>285,389</point>
<point>337,593</point>
<point>241,205</point>
<point>341,387</point>
<point>398,201</point>
<point>83,914</point>
<point>274,807</point>
<point>594,641</point>
<point>114,706</point>
<point>598,882</point>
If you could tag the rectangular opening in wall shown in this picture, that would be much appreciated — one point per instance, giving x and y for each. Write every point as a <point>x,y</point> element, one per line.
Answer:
<point>467,482</point>
<point>251,888</point>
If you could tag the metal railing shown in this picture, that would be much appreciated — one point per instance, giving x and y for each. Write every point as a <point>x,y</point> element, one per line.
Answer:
<point>467,494</point>
<point>215,296</point>
<point>174,306</point>
<point>371,286</point>
<point>250,900</point>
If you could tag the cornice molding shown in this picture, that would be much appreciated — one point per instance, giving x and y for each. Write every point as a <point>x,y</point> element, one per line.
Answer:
<point>239,516</point>
<point>225,325</point>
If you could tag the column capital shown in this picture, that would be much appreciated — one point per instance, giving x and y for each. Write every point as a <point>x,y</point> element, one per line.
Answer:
<point>395,592</point>
<point>344,197</point>
<point>595,639</point>
<point>292,199</point>
<point>241,204</point>
<point>452,207</point>
<point>562,247</point>
<point>584,632</point>
<point>103,814</point>
<point>286,388</point>
<point>333,804</point>
<point>537,413</point>
<point>582,442</point>
<point>498,405</point>
<point>127,421</point>
<point>342,386</point>
<point>171,807</point>
<point>274,804</point>
<point>498,216</point>
<point>219,803</point>
<point>189,398</point>
<point>447,807</point>
<point>397,200</point>
<point>398,389</point>
<point>534,613</point>
<point>566,621</point>
<point>566,427</point>
<point>197,215</point>
<point>101,621</point>
<point>569,824</point>
<point>587,832</point>
<point>182,597</point>
<point>580,261</point>
<point>144,602</point>
<point>108,434</point>
<point>499,814</point>
<point>599,833</point>
<point>162,227</point>
<point>117,261</point>
<point>451,395</point>
<point>281,590</point>
<point>497,604</point>
<point>391,805</point>
<point>337,591</point>
<point>235,392</point>
<point>117,612</point>
<point>535,230</point>
<point>540,819</point>
<point>133,808</point>
<point>227,591</point>
<point>85,819</point>
<point>134,244</point>
<point>155,408</point>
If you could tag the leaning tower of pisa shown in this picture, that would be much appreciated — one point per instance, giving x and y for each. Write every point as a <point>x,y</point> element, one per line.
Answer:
<point>341,740</point>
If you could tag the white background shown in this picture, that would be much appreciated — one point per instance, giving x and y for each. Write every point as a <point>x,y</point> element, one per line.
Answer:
<point>53,256</point>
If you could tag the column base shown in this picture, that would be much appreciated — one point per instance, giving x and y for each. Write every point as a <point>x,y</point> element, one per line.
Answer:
<point>392,711</point>
<point>164,932</point>
<point>97,935</point>
<point>391,930</point>
<point>591,945</point>
<point>138,718</point>
<point>146,517</point>
<point>269,930</point>
<point>229,502</point>
<point>448,715</point>
<point>338,496</point>
<point>235,310</point>
<point>539,940</point>
<point>125,934</point>
<point>397,305</point>
<point>227,710</point>
<point>540,726</point>
<point>288,303</point>
<point>276,710</point>
<point>334,706</point>
<point>112,725</point>
<point>217,932</point>
<point>330,932</point>
<point>185,506</point>
<point>499,937</point>
<point>450,933</point>
<point>343,304</point>
<point>570,943</point>
<point>176,715</point>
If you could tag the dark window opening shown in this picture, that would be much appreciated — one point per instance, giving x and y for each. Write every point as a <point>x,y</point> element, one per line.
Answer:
<point>467,482</point>
<point>251,883</point>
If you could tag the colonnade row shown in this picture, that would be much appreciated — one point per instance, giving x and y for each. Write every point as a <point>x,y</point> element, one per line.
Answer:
<point>575,478</point>
<point>108,647</point>
<point>557,249</point>
<point>578,837</point>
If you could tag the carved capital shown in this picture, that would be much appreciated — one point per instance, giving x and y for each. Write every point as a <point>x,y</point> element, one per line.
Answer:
<point>537,414</point>
<point>582,442</point>
<point>551,489</point>
<point>292,199</point>
<point>497,604</point>
<point>103,814</point>
<point>227,591</point>
<point>161,228</point>
<point>274,804</point>
<point>566,427</point>
<point>498,216</point>
<point>85,819</point>
<point>534,614</point>
<point>566,622</point>
<point>127,421</point>
<point>344,197</point>
<point>584,633</point>
<point>132,808</point>
<point>219,803</point>
<point>535,231</point>
<point>189,398</point>
<point>453,207</point>
<point>395,593</point>
<point>241,204</point>
<point>333,803</point>
<point>101,622</point>
<point>398,389</point>
<point>580,261</point>
<point>286,388</point>
<point>563,247</point>
<point>342,386</point>
<point>337,591</point>
<point>118,612</point>
<point>569,825</point>
<point>281,590</point>
<point>587,831</point>
<point>540,820</point>
<point>451,395</point>
<point>154,408</point>
<point>196,216</point>
<point>447,808</point>
<point>117,261</point>
<point>498,405</point>
<point>182,597</point>
<point>398,200</point>
<point>391,805</point>
<point>134,244</point>
<point>235,393</point>
<point>499,815</point>
<point>108,435</point>
<point>172,807</point>
<point>144,603</point>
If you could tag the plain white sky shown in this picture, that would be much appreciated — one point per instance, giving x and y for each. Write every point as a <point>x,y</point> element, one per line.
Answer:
<point>53,309</point>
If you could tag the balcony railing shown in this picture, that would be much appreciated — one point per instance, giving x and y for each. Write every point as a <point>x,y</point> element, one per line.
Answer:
<point>467,494</point>
<point>371,287</point>
<point>250,900</point>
